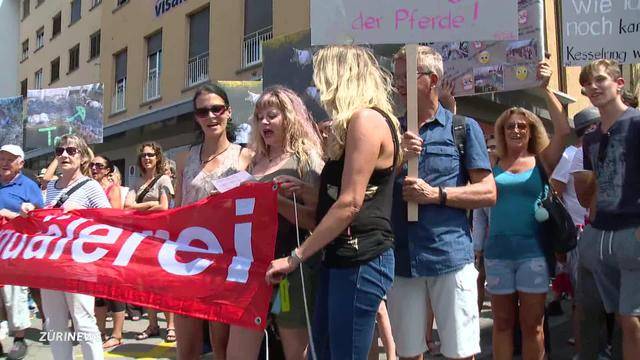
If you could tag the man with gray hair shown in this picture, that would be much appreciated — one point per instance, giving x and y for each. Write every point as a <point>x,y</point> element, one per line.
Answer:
<point>16,189</point>
<point>434,256</point>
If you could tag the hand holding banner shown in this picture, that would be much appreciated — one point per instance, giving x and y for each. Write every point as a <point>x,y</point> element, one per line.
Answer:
<point>205,260</point>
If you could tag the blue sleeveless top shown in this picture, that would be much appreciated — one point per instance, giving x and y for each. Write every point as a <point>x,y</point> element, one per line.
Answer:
<point>513,229</point>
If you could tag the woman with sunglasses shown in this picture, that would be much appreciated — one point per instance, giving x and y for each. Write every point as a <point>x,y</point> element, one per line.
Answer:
<point>287,144</point>
<point>214,157</point>
<point>74,157</point>
<point>152,192</point>
<point>101,169</point>
<point>515,263</point>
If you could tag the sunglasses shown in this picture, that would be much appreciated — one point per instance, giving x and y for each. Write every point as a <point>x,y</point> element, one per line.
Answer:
<point>70,150</point>
<point>518,126</point>
<point>98,166</point>
<point>216,110</point>
<point>147,155</point>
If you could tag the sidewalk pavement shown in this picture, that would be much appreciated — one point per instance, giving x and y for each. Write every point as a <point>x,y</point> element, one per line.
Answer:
<point>156,348</point>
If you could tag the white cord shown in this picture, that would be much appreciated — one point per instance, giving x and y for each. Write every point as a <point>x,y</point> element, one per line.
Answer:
<point>304,290</point>
<point>266,344</point>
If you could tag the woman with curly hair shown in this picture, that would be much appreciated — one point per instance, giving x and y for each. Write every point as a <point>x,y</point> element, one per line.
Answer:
<point>288,145</point>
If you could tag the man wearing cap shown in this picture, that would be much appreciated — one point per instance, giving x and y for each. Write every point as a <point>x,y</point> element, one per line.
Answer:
<point>16,189</point>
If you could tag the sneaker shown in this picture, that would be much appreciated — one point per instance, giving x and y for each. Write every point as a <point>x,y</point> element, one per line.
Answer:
<point>18,350</point>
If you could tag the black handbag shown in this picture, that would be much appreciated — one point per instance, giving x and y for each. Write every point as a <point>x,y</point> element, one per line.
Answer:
<point>559,233</point>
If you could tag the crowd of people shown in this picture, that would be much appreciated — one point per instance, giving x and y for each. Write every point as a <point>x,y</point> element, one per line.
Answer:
<point>346,256</point>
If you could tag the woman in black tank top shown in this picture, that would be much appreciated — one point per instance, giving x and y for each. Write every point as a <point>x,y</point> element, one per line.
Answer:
<point>354,227</point>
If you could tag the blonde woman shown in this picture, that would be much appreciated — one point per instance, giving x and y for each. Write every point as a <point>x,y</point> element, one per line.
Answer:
<point>515,262</point>
<point>287,144</point>
<point>73,157</point>
<point>354,204</point>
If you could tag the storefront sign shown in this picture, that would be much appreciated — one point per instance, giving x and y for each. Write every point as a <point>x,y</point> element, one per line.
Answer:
<point>164,6</point>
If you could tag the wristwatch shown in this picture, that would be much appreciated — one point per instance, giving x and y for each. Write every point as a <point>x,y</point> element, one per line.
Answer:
<point>442,192</point>
<point>295,256</point>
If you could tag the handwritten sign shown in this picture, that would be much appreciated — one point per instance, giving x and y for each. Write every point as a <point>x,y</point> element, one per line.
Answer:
<point>600,29</point>
<point>53,113</point>
<point>411,21</point>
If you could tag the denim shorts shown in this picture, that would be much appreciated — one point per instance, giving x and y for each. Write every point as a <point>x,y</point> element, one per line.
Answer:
<point>508,276</point>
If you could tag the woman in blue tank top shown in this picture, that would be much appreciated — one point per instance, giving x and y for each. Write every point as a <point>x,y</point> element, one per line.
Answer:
<point>517,271</point>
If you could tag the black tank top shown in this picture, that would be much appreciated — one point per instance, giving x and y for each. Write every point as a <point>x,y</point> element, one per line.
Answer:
<point>370,233</point>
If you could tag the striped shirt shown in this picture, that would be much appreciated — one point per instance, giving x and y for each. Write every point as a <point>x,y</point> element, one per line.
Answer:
<point>89,196</point>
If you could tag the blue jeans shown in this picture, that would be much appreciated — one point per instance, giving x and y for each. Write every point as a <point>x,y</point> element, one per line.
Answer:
<point>346,307</point>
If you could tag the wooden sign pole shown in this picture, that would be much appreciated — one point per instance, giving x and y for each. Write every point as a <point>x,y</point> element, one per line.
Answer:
<point>412,116</point>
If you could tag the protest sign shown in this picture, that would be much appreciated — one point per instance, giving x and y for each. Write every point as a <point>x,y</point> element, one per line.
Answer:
<point>410,21</point>
<point>600,29</point>
<point>288,61</point>
<point>242,97</point>
<point>52,113</point>
<point>206,260</point>
<point>11,121</point>
<point>477,67</point>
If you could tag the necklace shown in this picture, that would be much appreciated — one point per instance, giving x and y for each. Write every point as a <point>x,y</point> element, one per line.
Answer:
<point>212,157</point>
<point>278,158</point>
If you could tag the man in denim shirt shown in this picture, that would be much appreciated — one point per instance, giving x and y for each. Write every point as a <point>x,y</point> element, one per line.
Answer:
<point>434,256</point>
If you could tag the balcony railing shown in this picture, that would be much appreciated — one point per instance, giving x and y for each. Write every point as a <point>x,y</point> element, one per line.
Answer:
<point>152,85</point>
<point>252,46</point>
<point>198,69</point>
<point>118,100</point>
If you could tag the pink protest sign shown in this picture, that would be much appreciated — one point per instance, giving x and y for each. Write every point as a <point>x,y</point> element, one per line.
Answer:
<point>411,21</point>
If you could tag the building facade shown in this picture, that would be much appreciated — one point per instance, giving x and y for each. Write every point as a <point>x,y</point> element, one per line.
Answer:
<point>9,40</point>
<point>151,57</point>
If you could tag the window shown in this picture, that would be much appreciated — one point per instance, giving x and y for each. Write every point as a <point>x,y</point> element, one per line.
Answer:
<point>198,64</point>
<point>38,79</point>
<point>74,57</point>
<point>258,27</point>
<point>95,3</point>
<point>76,10</point>
<point>121,2</point>
<point>23,88</point>
<point>55,69</point>
<point>119,95</point>
<point>40,38</point>
<point>57,25</point>
<point>26,8</point>
<point>94,39</point>
<point>25,50</point>
<point>39,3</point>
<point>154,66</point>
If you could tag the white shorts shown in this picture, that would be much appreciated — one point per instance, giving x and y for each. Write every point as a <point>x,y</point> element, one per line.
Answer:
<point>454,299</point>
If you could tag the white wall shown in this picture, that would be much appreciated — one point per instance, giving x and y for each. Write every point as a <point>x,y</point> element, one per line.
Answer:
<point>9,47</point>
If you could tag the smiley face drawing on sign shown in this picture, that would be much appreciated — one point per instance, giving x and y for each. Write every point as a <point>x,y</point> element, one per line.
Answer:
<point>523,17</point>
<point>521,73</point>
<point>467,82</point>
<point>484,57</point>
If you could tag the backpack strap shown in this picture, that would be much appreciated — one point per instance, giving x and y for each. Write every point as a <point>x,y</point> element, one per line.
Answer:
<point>459,132</point>
<point>67,194</point>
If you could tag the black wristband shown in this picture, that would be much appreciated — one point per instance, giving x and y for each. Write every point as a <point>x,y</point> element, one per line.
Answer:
<point>442,194</point>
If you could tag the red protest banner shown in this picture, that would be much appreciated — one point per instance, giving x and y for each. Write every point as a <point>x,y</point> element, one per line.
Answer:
<point>205,260</point>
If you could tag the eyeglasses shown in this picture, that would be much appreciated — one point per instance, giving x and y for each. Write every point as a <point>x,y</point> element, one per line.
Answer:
<point>519,126</point>
<point>403,79</point>
<point>98,166</point>
<point>216,110</point>
<point>70,150</point>
<point>147,155</point>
